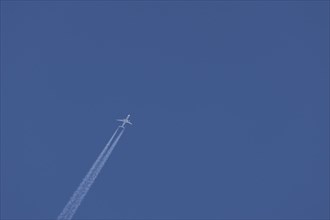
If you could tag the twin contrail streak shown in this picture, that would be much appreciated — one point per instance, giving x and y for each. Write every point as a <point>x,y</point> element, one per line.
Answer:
<point>78,196</point>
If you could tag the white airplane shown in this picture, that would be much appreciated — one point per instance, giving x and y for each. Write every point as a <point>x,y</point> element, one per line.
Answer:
<point>125,121</point>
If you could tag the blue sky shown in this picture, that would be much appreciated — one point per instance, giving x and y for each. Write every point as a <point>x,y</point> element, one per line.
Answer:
<point>229,100</point>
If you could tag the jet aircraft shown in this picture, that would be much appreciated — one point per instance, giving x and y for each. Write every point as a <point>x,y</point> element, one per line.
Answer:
<point>125,121</point>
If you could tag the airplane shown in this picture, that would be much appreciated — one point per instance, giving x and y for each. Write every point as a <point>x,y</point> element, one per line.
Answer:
<point>125,121</point>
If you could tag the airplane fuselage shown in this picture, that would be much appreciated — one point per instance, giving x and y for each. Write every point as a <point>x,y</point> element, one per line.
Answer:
<point>125,121</point>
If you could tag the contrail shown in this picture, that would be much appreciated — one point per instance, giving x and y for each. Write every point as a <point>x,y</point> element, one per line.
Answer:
<point>78,196</point>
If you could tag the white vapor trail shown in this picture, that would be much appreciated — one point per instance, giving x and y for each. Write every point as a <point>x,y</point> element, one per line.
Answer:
<point>78,196</point>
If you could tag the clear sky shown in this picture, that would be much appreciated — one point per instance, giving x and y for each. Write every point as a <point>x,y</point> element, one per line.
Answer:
<point>229,100</point>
